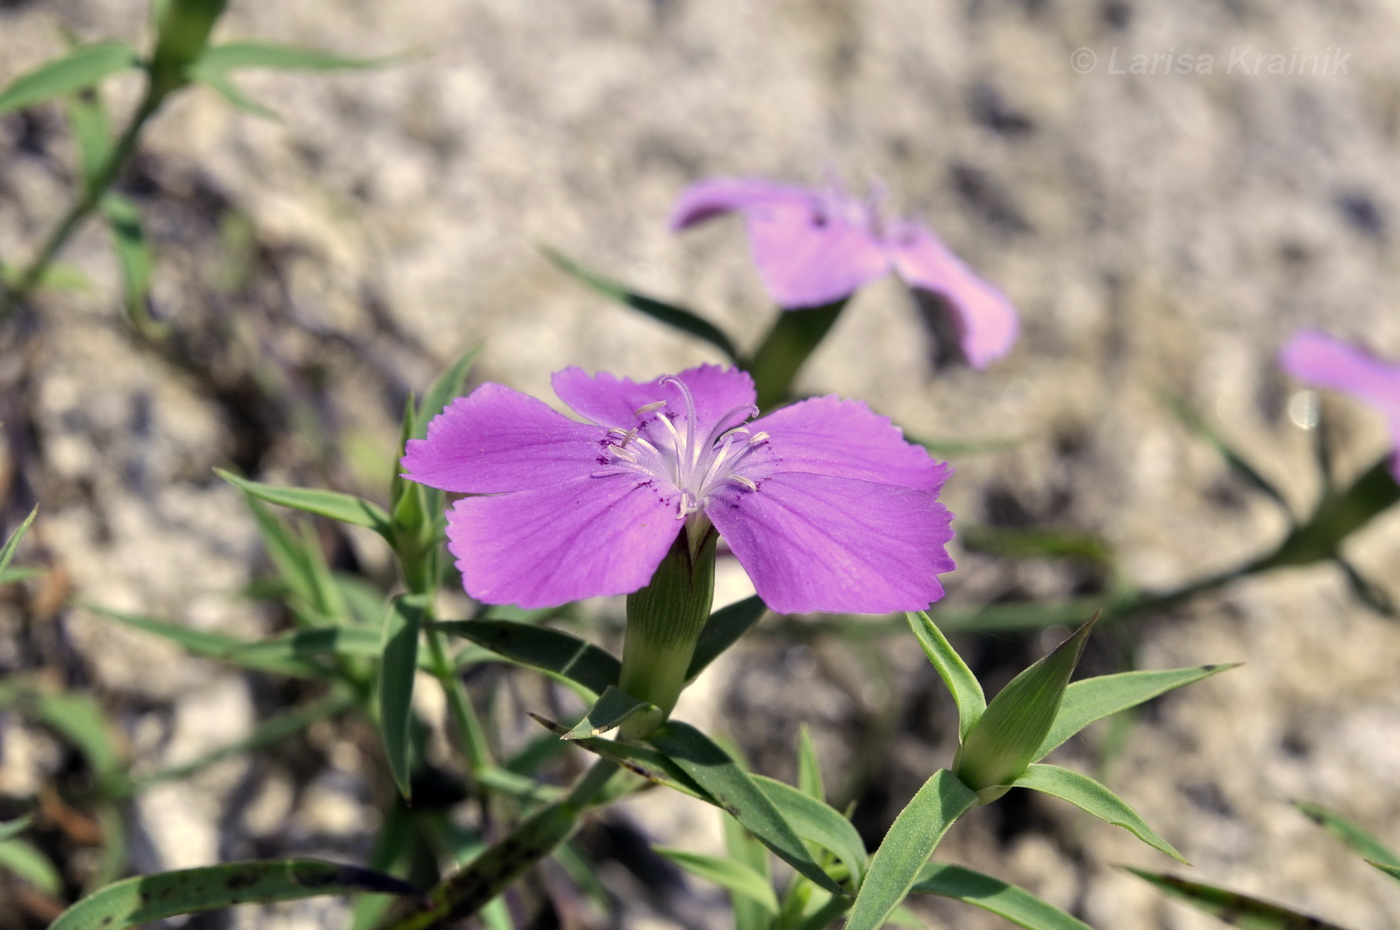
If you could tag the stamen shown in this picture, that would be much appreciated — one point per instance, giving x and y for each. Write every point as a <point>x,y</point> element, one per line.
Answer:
<point>746,482</point>
<point>758,438</point>
<point>648,408</point>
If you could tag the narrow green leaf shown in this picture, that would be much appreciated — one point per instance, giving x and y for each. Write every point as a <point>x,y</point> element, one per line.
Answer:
<point>1338,515</point>
<point>1197,424</point>
<point>817,822</point>
<point>541,647</point>
<point>345,508</point>
<point>1236,909</point>
<point>133,254</point>
<point>1005,738</point>
<point>79,719</point>
<point>1357,840</point>
<point>731,786</point>
<point>92,133</point>
<point>961,683</point>
<point>218,81</point>
<point>446,386</point>
<point>217,645</point>
<point>396,674</point>
<point>636,758</point>
<point>57,276</point>
<point>311,644</point>
<point>994,895</point>
<point>7,553</point>
<point>1391,870</point>
<point>1093,798</point>
<point>1036,543</point>
<point>146,898</point>
<point>722,630</point>
<point>82,67</point>
<point>1093,699</point>
<point>24,860</point>
<point>809,770</point>
<point>235,55</point>
<point>906,847</point>
<point>613,707</point>
<point>16,575</point>
<point>12,828</point>
<point>294,559</point>
<point>733,876</point>
<point>674,316</point>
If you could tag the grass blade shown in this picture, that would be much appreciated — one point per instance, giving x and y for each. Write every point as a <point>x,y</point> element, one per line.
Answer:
<point>722,630</point>
<point>396,674</point>
<point>676,317</point>
<point>82,67</point>
<point>1017,905</point>
<point>1355,838</point>
<point>906,847</point>
<point>11,546</point>
<point>1238,910</point>
<point>345,508</point>
<point>1093,699</point>
<point>817,822</point>
<point>1093,798</point>
<point>146,898</point>
<point>543,648</point>
<point>961,683</point>
<point>733,876</point>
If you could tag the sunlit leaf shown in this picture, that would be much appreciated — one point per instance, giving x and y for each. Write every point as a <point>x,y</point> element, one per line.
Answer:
<point>961,683</point>
<point>1009,732</point>
<point>1236,909</point>
<point>994,895</point>
<point>1096,698</point>
<point>817,822</point>
<point>733,876</point>
<point>676,317</point>
<point>233,56</point>
<point>23,859</point>
<point>92,133</point>
<point>720,776</point>
<point>147,898</point>
<point>1093,798</point>
<point>809,770</point>
<point>345,508</point>
<point>907,846</point>
<point>82,67</point>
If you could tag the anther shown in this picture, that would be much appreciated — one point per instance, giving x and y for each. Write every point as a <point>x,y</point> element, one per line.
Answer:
<point>742,480</point>
<point>648,408</point>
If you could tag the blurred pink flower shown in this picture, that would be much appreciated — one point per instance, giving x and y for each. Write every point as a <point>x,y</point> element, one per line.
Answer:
<point>1320,360</point>
<point>815,247</point>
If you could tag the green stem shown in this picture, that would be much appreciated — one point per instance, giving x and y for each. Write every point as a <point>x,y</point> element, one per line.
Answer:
<point>794,336</point>
<point>471,887</point>
<point>93,193</point>
<point>469,728</point>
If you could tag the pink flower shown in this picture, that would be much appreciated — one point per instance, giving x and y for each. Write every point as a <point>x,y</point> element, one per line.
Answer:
<point>815,247</point>
<point>1319,359</point>
<point>823,502</point>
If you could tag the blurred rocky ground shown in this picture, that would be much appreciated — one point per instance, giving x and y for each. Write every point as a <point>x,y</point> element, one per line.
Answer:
<point>1158,231</point>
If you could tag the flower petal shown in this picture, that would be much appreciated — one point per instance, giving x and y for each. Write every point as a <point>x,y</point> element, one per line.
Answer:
<point>983,316</point>
<point>612,401</point>
<point>844,438</point>
<point>710,198</point>
<point>823,543</point>
<point>495,440</point>
<point>808,257</point>
<point>586,537</point>
<point>1318,359</point>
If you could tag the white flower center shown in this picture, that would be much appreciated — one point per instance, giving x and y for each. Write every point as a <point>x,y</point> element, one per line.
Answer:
<point>694,466</point>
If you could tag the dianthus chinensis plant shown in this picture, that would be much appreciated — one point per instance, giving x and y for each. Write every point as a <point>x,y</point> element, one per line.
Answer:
<point>825,504</point>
